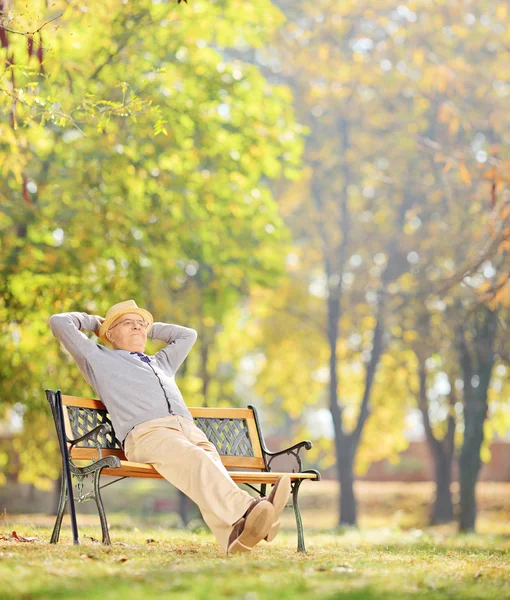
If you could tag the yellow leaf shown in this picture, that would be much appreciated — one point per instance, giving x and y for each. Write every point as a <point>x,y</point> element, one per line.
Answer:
<point>410,336</point>
<point>464,174</point>
<point>419,57</point>
<point>502,298</point>
<point>501,12</point>
<point>447,167</point>
<point>454,125</point>
<point>324,52</point>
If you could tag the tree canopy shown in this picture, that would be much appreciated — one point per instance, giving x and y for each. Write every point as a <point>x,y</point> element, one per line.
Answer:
<point>135,159</point>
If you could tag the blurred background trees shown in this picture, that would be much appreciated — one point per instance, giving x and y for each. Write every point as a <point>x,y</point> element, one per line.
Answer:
<point>320,189</point>
<point>403,204</point>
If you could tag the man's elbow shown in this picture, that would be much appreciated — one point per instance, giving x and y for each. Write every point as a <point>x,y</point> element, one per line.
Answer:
<point>58,323</point>
<point>55,323</point>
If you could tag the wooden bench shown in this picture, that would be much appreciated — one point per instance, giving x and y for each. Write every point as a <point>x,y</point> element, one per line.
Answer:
<point>85,433</point>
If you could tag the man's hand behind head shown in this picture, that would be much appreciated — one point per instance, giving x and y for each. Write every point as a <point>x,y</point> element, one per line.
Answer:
<point>100,320</point>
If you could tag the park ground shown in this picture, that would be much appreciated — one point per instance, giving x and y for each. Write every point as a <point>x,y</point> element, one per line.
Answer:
<point>393,554</point>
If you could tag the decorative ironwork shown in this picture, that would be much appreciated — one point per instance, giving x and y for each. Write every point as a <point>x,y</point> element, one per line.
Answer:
<point>292,451</point>
<point>84,419</point>
<point>79,487</point>
<point>230,436</point>
<point>69,468</point>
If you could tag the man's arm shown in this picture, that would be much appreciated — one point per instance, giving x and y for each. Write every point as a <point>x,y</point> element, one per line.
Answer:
<point>179,341</point>
<point>68,327</point>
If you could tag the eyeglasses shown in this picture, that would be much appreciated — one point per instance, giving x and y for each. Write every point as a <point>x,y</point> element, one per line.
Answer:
<point>128,323</point>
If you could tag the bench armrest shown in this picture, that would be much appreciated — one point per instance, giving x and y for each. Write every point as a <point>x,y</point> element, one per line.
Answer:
<point>104,428</point>
<point>291,451</point>
<point>305,444</point>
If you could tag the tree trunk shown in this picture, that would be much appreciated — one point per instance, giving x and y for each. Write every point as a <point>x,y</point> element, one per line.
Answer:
<point>348,505</point>
<point>346,446</point>
<point>442,451</point>
<point>470,463</point>
<point>335,259</point>
<point>347,500</point>
<point>469,469</point>
<point>442,509</point>
<point>477,365</point>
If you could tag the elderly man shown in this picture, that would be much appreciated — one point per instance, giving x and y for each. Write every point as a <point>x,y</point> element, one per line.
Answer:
<point>153,423</point>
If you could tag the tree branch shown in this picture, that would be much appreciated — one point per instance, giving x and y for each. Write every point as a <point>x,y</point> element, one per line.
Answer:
<point>31,32</point>
<point>375,355</point>
<point>423,406</point>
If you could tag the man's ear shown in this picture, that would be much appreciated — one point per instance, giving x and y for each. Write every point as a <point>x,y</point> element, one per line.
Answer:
<point>109,336</point>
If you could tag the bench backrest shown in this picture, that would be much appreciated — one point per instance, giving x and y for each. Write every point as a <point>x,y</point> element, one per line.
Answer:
<point>233,431</point>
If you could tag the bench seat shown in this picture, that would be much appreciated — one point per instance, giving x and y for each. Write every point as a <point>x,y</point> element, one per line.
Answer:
<point>133,469</point>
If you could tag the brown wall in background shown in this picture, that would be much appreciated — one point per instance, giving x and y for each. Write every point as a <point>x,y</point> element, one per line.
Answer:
<point>415,464</point>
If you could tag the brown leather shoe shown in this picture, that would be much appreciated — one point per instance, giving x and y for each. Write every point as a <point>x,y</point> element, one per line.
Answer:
<point>252,527</point>
<point>278,497</point>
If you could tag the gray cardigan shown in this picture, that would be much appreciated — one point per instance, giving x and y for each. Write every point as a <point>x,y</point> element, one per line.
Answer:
<point>133,391</point>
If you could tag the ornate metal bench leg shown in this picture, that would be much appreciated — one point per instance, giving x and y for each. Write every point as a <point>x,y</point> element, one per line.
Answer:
<point>100,509</point>
<point>60,511</point>
<point>263,488</point>
<point>299,522</point>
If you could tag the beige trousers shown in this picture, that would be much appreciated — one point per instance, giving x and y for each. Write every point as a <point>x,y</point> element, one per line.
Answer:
<point>182,454</point>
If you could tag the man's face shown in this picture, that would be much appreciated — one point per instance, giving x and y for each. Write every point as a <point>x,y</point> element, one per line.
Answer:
<point>128,333</point>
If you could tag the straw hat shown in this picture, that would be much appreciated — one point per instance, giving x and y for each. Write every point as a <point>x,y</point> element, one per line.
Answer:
<point>116,311</point>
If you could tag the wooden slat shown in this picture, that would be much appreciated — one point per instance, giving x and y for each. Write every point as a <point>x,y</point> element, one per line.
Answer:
<point>243,462</point>
<point>221,413</point>
<point>131,469</point>
<point>254,437</point>
<point>83,402</point>
<point>196,411</point>
<point>67,427</point>
<point>89,453</point>
<point>126,473</point>
<point>127,464</point>
<point>253,477</point>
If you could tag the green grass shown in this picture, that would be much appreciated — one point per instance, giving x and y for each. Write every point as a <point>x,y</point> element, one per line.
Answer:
<point>393,555</point>
<point>379,563</point>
